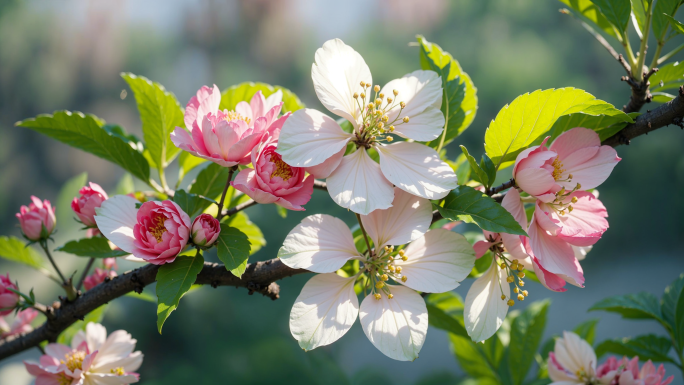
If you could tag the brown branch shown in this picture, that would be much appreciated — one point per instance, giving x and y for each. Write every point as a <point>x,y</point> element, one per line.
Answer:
<point>259,277</point>
<point>238,208</point>
<point>504,186</point>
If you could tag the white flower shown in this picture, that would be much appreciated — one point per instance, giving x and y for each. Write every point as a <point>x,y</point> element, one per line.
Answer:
<point>394,317</point>
<point>573,361</point>
<point>343,84</point>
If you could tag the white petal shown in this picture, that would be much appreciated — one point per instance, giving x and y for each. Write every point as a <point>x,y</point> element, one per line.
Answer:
<point>337,74</point>
<point>408,218</point>
<point>574,354</point>
<point>437,262</point>
<point>397,326</point>
<point>417,169</point>
<point>422,92</point>
<point>324,311</point>
<point>116,218</point>
<point>581,252</point>
<point>484,309</point>
<point>96,335</point>
<point>309,137</point>
<point>320,243</point>
<point>358,184</point>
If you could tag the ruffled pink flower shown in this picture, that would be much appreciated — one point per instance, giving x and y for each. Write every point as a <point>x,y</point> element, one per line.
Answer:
<point>93,358</point>
<point>227,137</point>
<point>98,277</point>
<point>109,263</point>
<point>84,206</point>
<point>575,157</point>
<point>205,230</point>
<point>274,181</point>
<point>626,372</point>
<point>8,298</point>
<point>576,219</point>
<point>37,221</point>
<point>20,324</point>
<point>156,233</point>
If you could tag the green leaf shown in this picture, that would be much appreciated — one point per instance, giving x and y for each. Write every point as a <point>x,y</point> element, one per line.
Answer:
<point>676,26</point>
<point>471,206</point>
<point>241,222</point>
<point>160,114</point>
<point>211,181</point>
<point>233,249</point>
<point>461,167</point>
<point>530,116</point>
<point>590,12</point>
<point>192,204</point>
<point>96,247</point>
<point>69,333</point>
<point>662,97</point>
<point>660,22</point>
<point>671,76</point>
<point>616,11</point>
<point>125,185</point>
<point>635,306</point>
<point>459,103</point>
<point>472,358</point>
<point>243,92</point>
<point>526,334</point>
<point>672,307</point>
<point>173,281</point>
<point>596,123</point>
<point>444,312</point>
<point>639,11</point>
<point>85,132</point>
<point>477,172</point>
<point>587,330</point>
<point>15,250</point>
<point>647,347</point>
<point>70,189</point>
<point>488,167</point>
<point>187,162</point>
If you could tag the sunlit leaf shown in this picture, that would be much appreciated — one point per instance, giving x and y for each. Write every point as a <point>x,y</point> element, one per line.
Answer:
<point>592,13</point>
<point>96,247</point>
<point>526,334</point>
<point>15,250</point>
<point>173,281</point>
<point>233,249</point>
<point>669,76</point>
<point>635,306</point>
<point>616,11</point>
<point>241,222</point>
<point>659,22</point>
<point>243,92</point>
<point>647,347</point>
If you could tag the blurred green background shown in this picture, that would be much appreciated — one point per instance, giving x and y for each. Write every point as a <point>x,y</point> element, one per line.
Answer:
<point>68,55</point>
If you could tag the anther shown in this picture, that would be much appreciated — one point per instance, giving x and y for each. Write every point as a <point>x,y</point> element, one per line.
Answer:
<point>384,277</point>
<point>503,297</point>
<point>511,302</point>
<point>570,208</point>
<point>381,96</point>
<point>385,118</point>
<point>524,293</point>
<point>573,200</point>
<point>402,252</point>
<point>389,139</point>
<point>515,261</point>
<point>404,278</point>
<point>521,283</point>
<point>503,265</point>
<point>395,92</point>
<point>392,269</point>
<point>373,137</point>
<point>562,212</point>
<point>514,266</point>
<point>509,279</point>
<point>391,128</point>
<point>521,267</point>
<point>521,297</point>
<point>403,105</point>
<point>398,268</point>
<point>516,290</point>
<point>378,101</point>
<point>403,257</point>
<point>562,191</point>
<point>363,96</point>
<point>379,285</point>
<point>376,88</point>
<point>370,106</point>
<point>406,119</point>
<point>578,187</point>
<point>362,84</point>
<point>569,176</point>
<point>356,96</point>
<point>381,125</point>
<point>389,100</point>
<point>378,296</point>
<point>390,296</point>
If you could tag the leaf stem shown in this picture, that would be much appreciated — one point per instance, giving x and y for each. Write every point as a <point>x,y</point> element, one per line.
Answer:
<point>225,191</point>
<point>85,273</point>
<point>657,61</point>
<point>43,244</point>
<point>642,49</point>
<point>365,236</point>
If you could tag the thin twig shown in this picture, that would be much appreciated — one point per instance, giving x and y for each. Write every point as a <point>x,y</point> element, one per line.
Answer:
<point>225,190</point>
<point>88,266</point>
<point>43,244</point>
<point>238,208</point>
<point>365,236</point>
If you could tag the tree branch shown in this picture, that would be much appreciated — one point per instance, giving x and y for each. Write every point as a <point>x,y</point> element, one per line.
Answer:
<point>259,277</point>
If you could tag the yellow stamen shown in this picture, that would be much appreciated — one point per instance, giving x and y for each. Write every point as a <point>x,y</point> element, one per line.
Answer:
<point>158,228</point>
<point>557,169</point>
<point>511,302</point>
<point>521,297</point>
<point>232,115</point>
<point>404,278</point>
<point>74,360</point>
<point>118,371</point>
<point>378,296</point>
<point>282,169</point>
<point>390,296</point>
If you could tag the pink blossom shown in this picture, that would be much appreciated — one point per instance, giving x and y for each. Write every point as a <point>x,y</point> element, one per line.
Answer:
<point>21,324</point>
<point>109,263</point>
<point>8,298</point>
<point>84,206</point>
<point>626,372</point>
<point>37,221</point>
<point>93,358</point>
<point>156,233</point>
<point>513,244</point>
<point>227,137</point>
<point>575,219</point>
<point>98,277</point>
<point>576,158</point>
<point>274,181</point>
<point>205,230</point>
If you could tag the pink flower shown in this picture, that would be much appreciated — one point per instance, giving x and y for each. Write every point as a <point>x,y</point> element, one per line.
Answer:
<point>93,358</point>
<point>109,263</point>
<point>573,361</point>
<point>227,137</point>
<point>8,298</point>
<point>84,206</point>
<point>513,244</point>
<point>575,158</point>
<point>98,277</point>
<point>156,233</point>
<point>205,230</point>
<point>37,221</point>
<point>21,323</point>
<point>626,372</point>
<point>575,219</point>
<point>274,181</point>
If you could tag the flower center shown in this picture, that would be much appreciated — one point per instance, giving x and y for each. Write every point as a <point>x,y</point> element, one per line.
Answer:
<point>118,371</point>
<point>282,169</point>
<point>375,125</point>
<point>232,115</point>
<point>383,267</point>
<point>558,169</point>
<point>74,360</point>
<point>64,380</point>
<point>158,228</point>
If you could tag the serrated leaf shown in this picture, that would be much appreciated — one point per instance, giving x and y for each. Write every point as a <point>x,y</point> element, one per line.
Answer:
<point>444,312</point>
<point>587,330</point>
<point>192,204</point>
<point>647,347</point>
<point>173,281</point>
<point>596,123</point>
<point>526,333</point>
<point>70,190</point>
<point>671,75</point>
<point>85,132</point>
<point>530,117</point>
<point>659,22</point>
<point>243,92</point>
<point>241,222</point>
<point>69,333</point>
<point>125,185</point>
<point>479,175</point>
<point>469,205</point>
<point>459,103</point>
<point>233,249</point>
<point>589,11</point>
<point>635,306</point>
<point>616,11</point>
<point>672,308</point>
<point>160,114</point>
<point>96,247</point>
<point>15,250</point>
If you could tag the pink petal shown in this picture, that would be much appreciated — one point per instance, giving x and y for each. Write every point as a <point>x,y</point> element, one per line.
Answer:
<point>573,140</point>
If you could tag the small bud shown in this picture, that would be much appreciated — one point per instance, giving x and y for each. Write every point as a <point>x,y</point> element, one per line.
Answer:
<point>524,293</point>
<point>384,277</point>
<point>398,269</point>
<point>376,88</point>
<point>511,302</point>
<point>403,105</point>
<point>381,96</point>
<point>390,296</point>
<point>573,200</point>
<point>516,290</point>
<point>509,279</point>
<point>378,296</point>
<point>503,297</point>
<point>406,119</point>
<point>356,96</point>
<point>521,274</point>
<point>521,297</point>
<point>404,278</point>
<point>395,92</point>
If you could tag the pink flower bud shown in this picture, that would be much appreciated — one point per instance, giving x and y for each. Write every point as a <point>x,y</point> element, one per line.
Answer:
<point>109,263</point>
<point>21,323</point>
<point>37,221</point>
<point>84,206</point>
<point>8,299</point>
<point>205,230</point>
<point>98,277</point>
